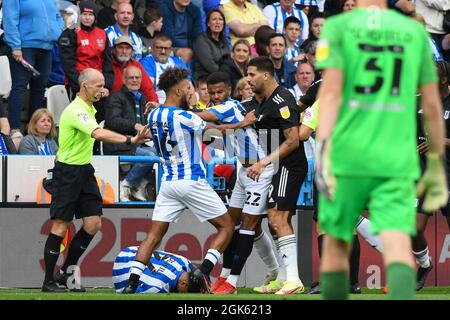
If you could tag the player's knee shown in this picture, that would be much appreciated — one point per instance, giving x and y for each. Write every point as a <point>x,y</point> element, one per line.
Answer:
<point>93,226</point>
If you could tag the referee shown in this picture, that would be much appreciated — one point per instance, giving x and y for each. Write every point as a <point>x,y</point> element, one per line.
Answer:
<point>75,190</point>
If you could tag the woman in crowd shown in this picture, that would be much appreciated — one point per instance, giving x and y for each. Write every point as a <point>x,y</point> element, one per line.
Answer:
<point>41,135</point>
<point>243,91</point>
<point>211,48</point>
<point>236,67</point>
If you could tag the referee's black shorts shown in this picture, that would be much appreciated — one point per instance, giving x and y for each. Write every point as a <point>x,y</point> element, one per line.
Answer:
<point>75,192</point>
<point>285,189</point>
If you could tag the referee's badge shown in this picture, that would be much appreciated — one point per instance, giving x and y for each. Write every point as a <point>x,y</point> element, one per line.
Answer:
<point>285,114</point>
<point>322,50</point>
<point>84,117</point>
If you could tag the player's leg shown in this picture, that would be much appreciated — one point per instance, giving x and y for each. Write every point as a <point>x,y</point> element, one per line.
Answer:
<point>420,250</point>
<point>337,219</point>
<point>282,202</point>
<point>354,266</point>
<point>264,247</point>
<point>157,231</point>
<point>394,218</point>
<point>363,229</point>
<point>237,202</point>
<point>206,205</point>
<point>243,251</point>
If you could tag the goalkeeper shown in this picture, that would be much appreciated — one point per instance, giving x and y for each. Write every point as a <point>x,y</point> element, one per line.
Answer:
<point>166,272</point>
<point>375,59</point>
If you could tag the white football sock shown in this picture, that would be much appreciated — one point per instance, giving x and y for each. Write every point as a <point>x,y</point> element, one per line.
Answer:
<point>263,246</point>
<point>423,258</point>
<point>281,277</point>
<point>288,249</point>
<point>363,228</point>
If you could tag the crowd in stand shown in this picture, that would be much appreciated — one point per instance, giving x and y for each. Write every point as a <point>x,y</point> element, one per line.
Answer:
<point>60,38</point>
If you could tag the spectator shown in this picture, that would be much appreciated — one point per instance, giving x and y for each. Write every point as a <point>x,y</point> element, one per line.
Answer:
<point>244,18</point>
<point>126,114</point>
<point>311,7</point>
<point>124,16</point>
<point>243,91</point>
<point>122,58</point>
<point>182,24</point>
<point>292,31</point>
<point>348,5</point>
<point>159,60</point>
<point>153,20</point>
<point>262,34</point>
<point>314,30</point>
<point>433,13</point>
<point>106,16</point>
<point>304,77</point>
<point>284,70</point>
<point>237,66</point>
<point>277,13</point>
<point>7,145</point>
<point>211,48</point>
<point>202,92</point>
<point>405,6</point>
<point>30,31</point>
<point>85,47</point>
<point>41,135</point>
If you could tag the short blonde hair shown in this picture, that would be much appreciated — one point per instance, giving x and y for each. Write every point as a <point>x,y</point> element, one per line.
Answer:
<point>240,85</point>
<point>37,115</point>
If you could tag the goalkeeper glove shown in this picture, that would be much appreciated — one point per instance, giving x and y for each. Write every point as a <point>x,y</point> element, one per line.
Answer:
<point>434,184</point>
<point>325,180</point>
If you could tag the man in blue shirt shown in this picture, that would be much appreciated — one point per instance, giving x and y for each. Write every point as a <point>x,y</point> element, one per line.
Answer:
<point>182,24</point>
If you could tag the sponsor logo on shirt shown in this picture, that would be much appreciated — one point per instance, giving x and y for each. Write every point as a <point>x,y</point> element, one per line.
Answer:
<point>322,50</point>
<point>83,117</point>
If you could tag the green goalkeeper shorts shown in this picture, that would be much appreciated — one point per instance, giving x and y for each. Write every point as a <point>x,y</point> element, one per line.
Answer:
<point>390,202</point>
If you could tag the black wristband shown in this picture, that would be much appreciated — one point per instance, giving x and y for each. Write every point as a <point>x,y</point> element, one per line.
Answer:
<point>128,142</point>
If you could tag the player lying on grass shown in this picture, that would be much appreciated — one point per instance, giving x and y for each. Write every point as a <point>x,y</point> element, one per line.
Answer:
<point>165,272</point>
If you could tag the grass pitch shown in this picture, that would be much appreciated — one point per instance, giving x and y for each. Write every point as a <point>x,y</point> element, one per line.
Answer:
<point>428,293</point>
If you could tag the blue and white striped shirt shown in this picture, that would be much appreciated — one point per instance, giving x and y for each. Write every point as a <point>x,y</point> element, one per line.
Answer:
<point>168,267</point>
<point>276,16</point>
<point>312,3</point>
<point>113,33</point>
<point>435,49</point>
<point>244,142</point>
<point>177,135</point>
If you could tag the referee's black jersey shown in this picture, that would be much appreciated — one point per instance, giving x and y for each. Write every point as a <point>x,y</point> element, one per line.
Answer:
<point>275,114</point>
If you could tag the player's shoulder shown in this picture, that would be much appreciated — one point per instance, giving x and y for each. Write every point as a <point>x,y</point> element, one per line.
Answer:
<point>282,96</point>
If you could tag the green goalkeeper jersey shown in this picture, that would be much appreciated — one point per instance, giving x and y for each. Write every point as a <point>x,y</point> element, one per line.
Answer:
<point>385,57</point>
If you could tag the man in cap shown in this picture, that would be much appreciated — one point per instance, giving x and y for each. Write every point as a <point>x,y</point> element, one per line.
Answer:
<point>122,53</point>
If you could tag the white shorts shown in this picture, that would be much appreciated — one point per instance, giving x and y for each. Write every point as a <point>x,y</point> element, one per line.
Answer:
<point>197,196</point>
<point>249,195</point>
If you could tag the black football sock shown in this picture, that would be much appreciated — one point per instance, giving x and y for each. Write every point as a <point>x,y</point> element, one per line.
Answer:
<point>77,247</point>
<point>243,250</point>
<point>228,255</point>
<point>354,261</point>
<point>51,254</point>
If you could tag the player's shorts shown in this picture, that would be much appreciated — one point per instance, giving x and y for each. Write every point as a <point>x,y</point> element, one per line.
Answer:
<point>389,201</point>
<point>75,192</point>
<point>197,196</point>
<point>250,195</point>
<point>285,189</point>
